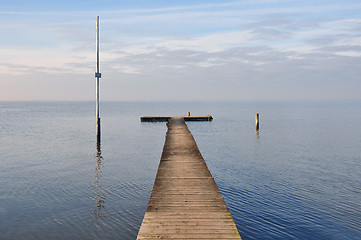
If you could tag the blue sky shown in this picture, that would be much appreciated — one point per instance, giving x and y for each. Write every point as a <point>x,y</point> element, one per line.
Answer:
<point>181,50</point>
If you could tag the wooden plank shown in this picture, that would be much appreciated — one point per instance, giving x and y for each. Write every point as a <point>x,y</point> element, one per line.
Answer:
<point>185,202</point>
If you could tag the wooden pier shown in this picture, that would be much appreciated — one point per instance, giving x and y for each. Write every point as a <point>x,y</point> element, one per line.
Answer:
<point>185,202</point>
<point>165,119</point>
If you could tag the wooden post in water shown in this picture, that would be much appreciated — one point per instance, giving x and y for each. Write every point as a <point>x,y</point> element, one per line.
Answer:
<point>97,75</point>
<point>257,122</point>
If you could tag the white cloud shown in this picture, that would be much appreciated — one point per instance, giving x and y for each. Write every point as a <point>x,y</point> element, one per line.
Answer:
<point>126,69</point>
<point>349,53</point>
<point>209,43</point>
<point>49,60</point>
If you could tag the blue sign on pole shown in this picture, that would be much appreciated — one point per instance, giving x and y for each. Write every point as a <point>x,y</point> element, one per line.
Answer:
<point>98,75</point>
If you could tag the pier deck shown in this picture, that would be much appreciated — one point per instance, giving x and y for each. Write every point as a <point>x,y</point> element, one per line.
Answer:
<point>165,119</point>
<point>185,202</point>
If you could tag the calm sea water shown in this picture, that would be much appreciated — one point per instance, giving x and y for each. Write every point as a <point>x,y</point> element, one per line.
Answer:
<point>299,178</point>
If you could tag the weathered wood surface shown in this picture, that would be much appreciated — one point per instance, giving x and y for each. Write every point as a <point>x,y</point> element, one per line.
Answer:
<point>185,202</point>
<point>165,118</point>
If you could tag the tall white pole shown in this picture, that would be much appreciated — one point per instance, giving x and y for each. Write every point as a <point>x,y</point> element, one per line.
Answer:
<point>97,75</point>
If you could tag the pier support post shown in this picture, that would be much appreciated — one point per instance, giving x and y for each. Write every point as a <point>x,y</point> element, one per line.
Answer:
<point>257,121</point>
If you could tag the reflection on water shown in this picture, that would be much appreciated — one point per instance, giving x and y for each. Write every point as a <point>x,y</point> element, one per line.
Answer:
<point>99,196</point>
<point>99,190</point>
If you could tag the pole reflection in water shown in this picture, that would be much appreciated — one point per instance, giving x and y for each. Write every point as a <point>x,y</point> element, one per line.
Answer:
<point>100,228</point>
<point>99,190</point>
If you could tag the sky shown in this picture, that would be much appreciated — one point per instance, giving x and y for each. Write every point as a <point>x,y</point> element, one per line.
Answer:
<point>199,50</point>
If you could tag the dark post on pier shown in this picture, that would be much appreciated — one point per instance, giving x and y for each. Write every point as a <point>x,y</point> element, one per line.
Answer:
<point>257,121</point>
<point>97,75</point>
<point>185,202</point>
